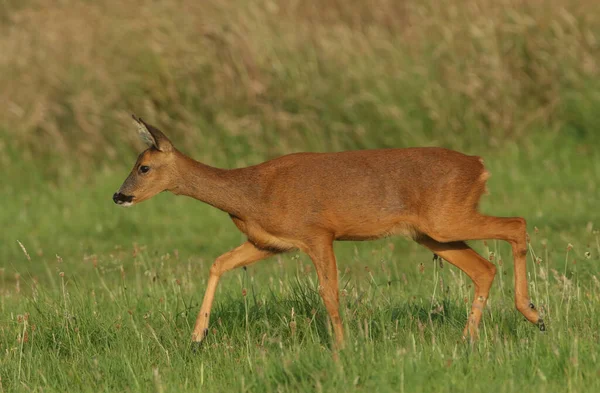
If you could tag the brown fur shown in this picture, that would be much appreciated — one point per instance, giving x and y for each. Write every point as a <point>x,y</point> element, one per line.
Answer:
<point>308,200</point>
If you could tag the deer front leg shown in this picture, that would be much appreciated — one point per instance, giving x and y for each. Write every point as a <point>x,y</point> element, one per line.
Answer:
<point>243,255</point>
<point>323,258</point>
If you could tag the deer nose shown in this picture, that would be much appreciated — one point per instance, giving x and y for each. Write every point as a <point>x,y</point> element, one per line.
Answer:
<point>119,198</point>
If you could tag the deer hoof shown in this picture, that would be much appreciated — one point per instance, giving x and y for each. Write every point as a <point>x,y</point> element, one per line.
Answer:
<point>196,346</point>
<point>541,325</point>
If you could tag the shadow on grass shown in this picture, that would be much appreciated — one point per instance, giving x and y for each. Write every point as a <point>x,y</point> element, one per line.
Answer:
<point>300,315</point>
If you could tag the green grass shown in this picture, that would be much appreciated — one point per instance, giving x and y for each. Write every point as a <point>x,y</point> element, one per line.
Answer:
<point>107,296</point>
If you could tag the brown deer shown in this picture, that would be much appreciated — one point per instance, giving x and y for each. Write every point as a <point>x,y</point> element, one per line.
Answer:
<point>306,201</point>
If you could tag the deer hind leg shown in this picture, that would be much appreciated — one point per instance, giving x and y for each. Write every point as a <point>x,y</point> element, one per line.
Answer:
<point>510,229</point>
<point>323,258</point>
<point>240,256</point>
<point>481,271</point>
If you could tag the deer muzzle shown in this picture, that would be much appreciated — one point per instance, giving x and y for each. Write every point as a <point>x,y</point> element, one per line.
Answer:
<point>122,199</point>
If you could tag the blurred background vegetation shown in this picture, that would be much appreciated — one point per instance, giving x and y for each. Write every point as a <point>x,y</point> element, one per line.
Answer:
<point>246,80</point>
<point>235,83</point>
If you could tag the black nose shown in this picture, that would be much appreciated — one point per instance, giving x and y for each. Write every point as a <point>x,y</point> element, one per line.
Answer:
<point>119,198</point>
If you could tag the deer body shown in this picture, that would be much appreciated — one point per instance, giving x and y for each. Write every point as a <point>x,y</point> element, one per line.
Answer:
<point>354,195</point>
<point>308,200</point>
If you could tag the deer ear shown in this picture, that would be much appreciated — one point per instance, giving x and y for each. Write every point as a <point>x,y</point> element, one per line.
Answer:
<point>152,136</point>
<point>144,133</point>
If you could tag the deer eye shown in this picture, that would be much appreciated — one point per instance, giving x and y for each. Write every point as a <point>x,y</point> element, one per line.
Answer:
<point>144,168</point>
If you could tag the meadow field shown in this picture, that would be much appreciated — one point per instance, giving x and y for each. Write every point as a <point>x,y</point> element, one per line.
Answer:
<point>98,298</point>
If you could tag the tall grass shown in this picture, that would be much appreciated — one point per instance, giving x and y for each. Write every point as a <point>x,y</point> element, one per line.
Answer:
<point>245,80</point>
<point>122,323</point>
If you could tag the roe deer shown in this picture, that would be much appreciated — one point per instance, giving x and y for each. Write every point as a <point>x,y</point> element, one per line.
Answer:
<point>306,201</point>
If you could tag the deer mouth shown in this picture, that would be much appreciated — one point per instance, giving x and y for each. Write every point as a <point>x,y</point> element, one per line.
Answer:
<point>122,199</point>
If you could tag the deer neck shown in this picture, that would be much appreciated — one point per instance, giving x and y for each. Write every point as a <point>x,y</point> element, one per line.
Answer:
<point>221,188</point>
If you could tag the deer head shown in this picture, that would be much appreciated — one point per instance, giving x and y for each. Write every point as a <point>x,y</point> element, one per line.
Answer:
<point>153,171</point>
